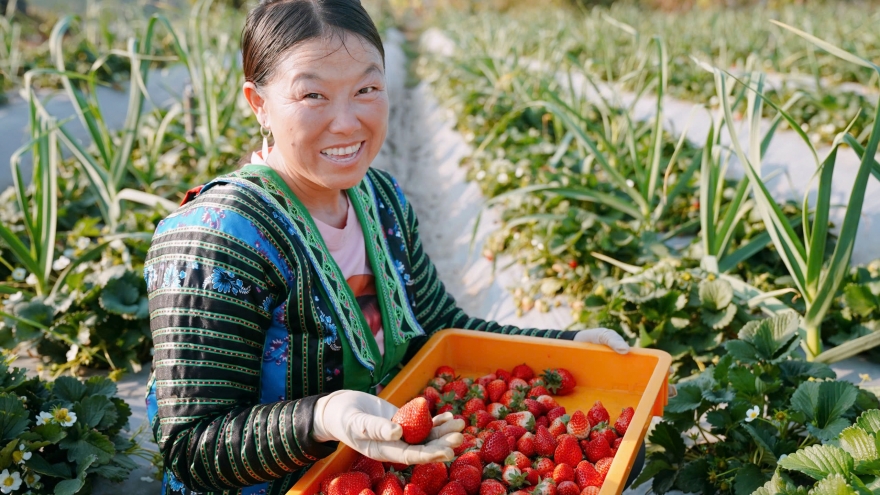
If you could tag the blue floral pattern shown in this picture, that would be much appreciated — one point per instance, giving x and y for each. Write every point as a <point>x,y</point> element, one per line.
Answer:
<point>225,281</point>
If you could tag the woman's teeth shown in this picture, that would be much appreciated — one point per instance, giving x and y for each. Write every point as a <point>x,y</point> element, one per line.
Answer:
<point>348,150</point>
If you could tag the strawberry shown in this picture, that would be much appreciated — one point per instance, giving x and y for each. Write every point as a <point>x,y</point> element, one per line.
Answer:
<point>531,475</point>
<point>515,431</point>
<point>390,484</point>
<point>616,445</point>
<point>350,483</point>
<point>497,410</point>
<point>559,425</point>
<point>468,476</point>
<point>411,489</point>
<point>534,407</point>
<point>485,434</point>
<point>437,383</point>
<point>523,418</point>
<point>517,459</point>
<point>492,487</point>
<point>496,389</point>
<point>590,490</point>
<point>446,373</point>
<point>374,469</point>
<point>478,391</point>
<point>472,406</point>
<point>470,430</point>
<point>578,425</point>
<point>563,472</point>
<point>548,402</point>
<point>367,491</point>
<point>458,387</point>
<point>429,477</point>
<point>545,487</point>
<point>526,444</point>
<point>523,372</point>
<point>511,442</point>
<point>542,421</point>
<point>597,449</point>
<point>503,375</point>
<point>469,442</point>
<point>467,459</point>
<point>512,476</point>
<point>492,471</point>
<point>518,385</point>
<point>603,465</point>
<point>495,448</point>
<point>481,418</point>
<point>560,381</point>
<point>415,419</point>
<point>520,492</point>
<point>544,466</point>
<point>622,423</point>
<point>453,488</point>
<point>555,413</point>
<point>567,451</point>
<point>545,442</point>
<point>586,475</point>
<point>536,382</point>
<point>512,400</point>
<point>497,425</point>
<point>485,379</point>
<point>395,466</point>
<point>602,429</point>
<point>433,397</point>
<point>538,391</point>
<point>598,414</point>
<point>567,488</point>
<point>445,408</point>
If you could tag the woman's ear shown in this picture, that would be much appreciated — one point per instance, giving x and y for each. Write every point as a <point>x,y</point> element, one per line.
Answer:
<point>257,102</point>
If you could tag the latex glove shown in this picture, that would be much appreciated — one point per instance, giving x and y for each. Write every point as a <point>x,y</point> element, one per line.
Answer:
<point>605,337</point>
<point>363,422</point>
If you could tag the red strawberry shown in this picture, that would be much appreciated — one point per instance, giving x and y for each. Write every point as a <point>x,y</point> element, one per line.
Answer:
<point>532,476</point>
<point>470,430</point>
<point>545,442</point>
<point>622,423</point>
<point>492,487</point>
<point>567,488</point>
<point>598,414</point>
<point>536,382</point>
<point>512,400</point>
<point>472,406</point>
<point>496,389</point>
<point>437,383</point>
<point>559,425</point>
<point>469,442</point>
<point>523,371</point>
<point>495,448</point>
<point>517,459</point>
<point>445,408</point>
<point>523,418</point>
<point>555,413</point>
<point>512,476</point>
<point>469,476</point>
<point>597,449</point>
<point>602,429</point>
<point>544,466</point>
<point>560,381</point>
<point>485,379</point>
<point>567,451</point>
<point>497,425</point>
<point>485,434</point>
<point>520,492</point>
<point>390,484</point>
<point>415,419</point>
<point>458,387</point>
<point>586,475</point>
<point>603,465</point>
<point>503,375</point>
<point>590,490</point>
<point>518,385</point>
<point>478,391</point>
<point>350,483</point>
<point>411,489</point>
<point>374,469</point>
<point>542,421</point>
<point>481,418</point>
<point>367,491</point>
<point>563,472</point>
<point>534,407</point>
<point>616,445</point>
<point>468,459</point>
<point>545,487</point>
<point>548,402</point>
<point>526,444</point>
<point>515,431</point>
<point>578,425</point>
<point>432,395</point>
<point>446,373</point>
<point>429,477</point>
<point>395,466</point>
<point>511,442</point>
<point>453,488</point>
<point>492,471</point>
<point>497,410</point>
<point>538,391</point>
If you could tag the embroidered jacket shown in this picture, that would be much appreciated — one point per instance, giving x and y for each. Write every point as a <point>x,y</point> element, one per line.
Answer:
<point>252,321</point>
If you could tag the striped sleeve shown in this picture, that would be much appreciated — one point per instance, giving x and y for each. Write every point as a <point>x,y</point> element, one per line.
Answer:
<point>436,309</point>
<point>211,291</point>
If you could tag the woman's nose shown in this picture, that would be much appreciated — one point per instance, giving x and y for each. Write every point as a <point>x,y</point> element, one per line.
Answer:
<point>345,119</point>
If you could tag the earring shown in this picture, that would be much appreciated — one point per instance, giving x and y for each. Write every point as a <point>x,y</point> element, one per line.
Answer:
<point>265,132</point>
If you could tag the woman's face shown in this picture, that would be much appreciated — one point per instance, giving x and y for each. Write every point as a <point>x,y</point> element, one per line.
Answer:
<point>327,109</point>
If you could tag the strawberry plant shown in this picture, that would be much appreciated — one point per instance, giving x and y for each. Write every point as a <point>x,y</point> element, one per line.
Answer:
<point>745,414</point>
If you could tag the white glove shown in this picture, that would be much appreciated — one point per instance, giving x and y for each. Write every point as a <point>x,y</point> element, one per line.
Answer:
<point>605,337</point>
<point>363,422</point>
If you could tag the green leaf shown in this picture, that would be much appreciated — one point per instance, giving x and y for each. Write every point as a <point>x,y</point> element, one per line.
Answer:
<point>656,463</point>
<point>741,351</point>
<point>860,299</point>
<point>100,385</point>
<point>833,485</point>
<point>819,461</point>
<point>743,380</point>
<point>69,487</point>
<point>830,431</point>
<point>718,319</point>
<point>765,440</point>
<point>91,410</point>
<point>869,421</point>
<point>748,479</point>
<point>69,389</point>
<point>51,432</point>
<point>823,403</point>
<point>688,398</point>
<point>122,297</point>
<point>666,436</point>
<point>797,369</point>
<point>858,443</point>
<point>91,443</point>
<point>715,294</point>
<point>13,417</point>
<point>771,336</point>
<point>42,466</point>
<point>694,477</point>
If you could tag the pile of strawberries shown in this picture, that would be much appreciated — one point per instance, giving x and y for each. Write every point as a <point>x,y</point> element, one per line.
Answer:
<point>518,440</point>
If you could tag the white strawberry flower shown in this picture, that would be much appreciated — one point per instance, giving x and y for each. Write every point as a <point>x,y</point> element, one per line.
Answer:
<point>31,279</point>
<point>61,263</point>
<point>9,482</point>
<point>64,416</point>
<point>31,479</point>
<point>753,414</point>
<point>72,352</point>
<point>21,455</point>
<point>45,418</point>
<point>19,274</point>
<point>82,243</point>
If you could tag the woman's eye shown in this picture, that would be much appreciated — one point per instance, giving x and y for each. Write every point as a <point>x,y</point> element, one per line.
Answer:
<point>313,96</point>
<point>366,90</point>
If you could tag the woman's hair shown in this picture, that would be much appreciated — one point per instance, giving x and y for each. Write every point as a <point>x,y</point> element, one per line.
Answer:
<point>275,26</point>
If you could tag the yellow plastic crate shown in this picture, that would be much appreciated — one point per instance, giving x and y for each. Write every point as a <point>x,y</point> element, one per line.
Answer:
<point>638,379</point>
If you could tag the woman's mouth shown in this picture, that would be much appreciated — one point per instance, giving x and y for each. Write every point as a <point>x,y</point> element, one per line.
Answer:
<point>343,154</point>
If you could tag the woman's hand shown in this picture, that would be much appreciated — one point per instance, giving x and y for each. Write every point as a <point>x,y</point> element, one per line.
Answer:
<point>605,337</point>
<point>363,422</point>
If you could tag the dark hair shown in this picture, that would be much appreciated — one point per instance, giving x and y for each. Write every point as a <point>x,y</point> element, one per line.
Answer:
<point>275,26</point>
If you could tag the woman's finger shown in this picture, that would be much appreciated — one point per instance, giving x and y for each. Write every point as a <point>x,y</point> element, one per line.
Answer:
<point>451,426</point>
<point>364,426</point>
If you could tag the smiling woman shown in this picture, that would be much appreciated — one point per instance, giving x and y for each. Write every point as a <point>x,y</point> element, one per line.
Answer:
<point>284,295</point>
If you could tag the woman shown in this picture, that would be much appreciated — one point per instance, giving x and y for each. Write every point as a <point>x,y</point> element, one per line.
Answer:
<point>285,294</point>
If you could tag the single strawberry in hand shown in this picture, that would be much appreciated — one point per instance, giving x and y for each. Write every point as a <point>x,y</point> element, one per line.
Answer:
<point>622,423</point>
<point>415,419</point>
<point>560,381</point>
